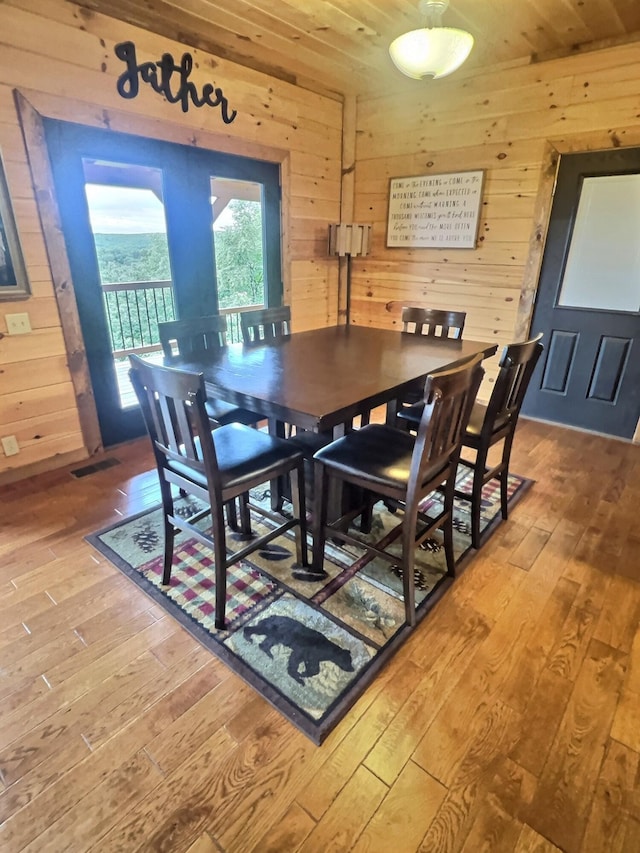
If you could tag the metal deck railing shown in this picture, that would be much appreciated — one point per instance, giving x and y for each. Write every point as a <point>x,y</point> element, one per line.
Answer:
<point>134,310</point>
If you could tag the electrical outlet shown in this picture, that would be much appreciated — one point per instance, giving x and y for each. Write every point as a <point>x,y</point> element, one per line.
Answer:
<point>18,324</point>
<point>10,445</point>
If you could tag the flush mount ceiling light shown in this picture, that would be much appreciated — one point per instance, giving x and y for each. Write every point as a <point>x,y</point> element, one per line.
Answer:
<point>433,51</point>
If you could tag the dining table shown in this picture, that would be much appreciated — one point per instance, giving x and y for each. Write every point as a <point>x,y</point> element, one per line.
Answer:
<point>319,380</point>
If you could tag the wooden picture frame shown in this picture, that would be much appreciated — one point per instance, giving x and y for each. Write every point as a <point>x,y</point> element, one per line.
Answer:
<point>435,211</point>
<point>14,283</point>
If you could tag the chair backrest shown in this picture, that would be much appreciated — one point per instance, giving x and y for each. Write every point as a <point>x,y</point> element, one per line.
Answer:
<point>265,324</point>
<point>517,364</point>
<point>448,399</point>
<point>433,322</point>
<point>192,337</point>
<point>172,403</point>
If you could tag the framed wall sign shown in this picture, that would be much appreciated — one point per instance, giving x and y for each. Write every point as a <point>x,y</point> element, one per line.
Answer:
<point>14,283</point>
<point>435,211</point>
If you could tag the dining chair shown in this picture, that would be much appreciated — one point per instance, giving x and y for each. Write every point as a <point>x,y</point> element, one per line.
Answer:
<point>216,466</point>
<point>433,322</point>
<point>488,424</point>
<point>194,338</point>
<point>403,469</point>
<point>265,324</point>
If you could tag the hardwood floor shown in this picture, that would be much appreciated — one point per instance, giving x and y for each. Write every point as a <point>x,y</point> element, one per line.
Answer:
<point>510,721</point>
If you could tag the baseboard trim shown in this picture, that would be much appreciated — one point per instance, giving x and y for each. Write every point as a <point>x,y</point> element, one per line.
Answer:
<point>634,440</point>
<point>44,466</point>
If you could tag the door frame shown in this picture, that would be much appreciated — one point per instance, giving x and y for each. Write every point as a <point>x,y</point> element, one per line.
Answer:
<point>31,110</point>
<point>553,151</point>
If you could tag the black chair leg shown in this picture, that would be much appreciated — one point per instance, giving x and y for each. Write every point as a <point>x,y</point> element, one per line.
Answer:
<point>220,558</point>
<point>448,547</point>
<point>408,565</point>
<point>504,476</point>
<point>504,493</point>
<point>448,496</point>
<point>169,531</point>
<point>476,496</point>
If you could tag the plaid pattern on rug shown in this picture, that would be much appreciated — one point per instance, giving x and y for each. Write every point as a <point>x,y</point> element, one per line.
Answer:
<point>310,648</point>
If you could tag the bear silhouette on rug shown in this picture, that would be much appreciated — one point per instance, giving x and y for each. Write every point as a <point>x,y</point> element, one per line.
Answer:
<point>308,647</point>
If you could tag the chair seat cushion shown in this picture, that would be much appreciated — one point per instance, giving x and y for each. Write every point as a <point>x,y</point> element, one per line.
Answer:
<point>412,414</point>
<point>381,454</point>
<point>414,393</point>
<point>478,414</point>
<point>244,455</point>
<point>227,413</point>
<point>310,442</point>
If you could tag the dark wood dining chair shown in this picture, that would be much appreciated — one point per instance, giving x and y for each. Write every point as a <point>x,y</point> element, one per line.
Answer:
<point>194,338</point>
<point>491,423</point>
<point>433,322</point>
<point>216,466</point>
<point>402,469</point>
<point>265,324</point>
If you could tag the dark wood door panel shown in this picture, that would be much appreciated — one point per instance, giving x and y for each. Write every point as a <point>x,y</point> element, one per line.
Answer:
<point>560,358</point>
<point>609,368</point>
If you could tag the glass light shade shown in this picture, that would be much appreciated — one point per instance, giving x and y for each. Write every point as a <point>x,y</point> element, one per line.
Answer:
<point>433,52</point>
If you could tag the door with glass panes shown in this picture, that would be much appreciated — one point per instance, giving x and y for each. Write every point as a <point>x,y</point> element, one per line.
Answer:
<point>157,231</point>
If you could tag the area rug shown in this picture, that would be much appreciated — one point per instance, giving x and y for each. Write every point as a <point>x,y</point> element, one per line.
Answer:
<point>310,648</point>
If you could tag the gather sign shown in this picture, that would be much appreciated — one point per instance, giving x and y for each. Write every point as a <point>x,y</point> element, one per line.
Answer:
<point>161,74</point>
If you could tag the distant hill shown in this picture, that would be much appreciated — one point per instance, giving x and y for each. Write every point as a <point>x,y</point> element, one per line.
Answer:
<point>132,257</point>
<point>239,262</point>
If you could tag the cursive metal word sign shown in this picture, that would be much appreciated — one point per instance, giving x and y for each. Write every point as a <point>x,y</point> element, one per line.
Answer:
<point>159,75</point>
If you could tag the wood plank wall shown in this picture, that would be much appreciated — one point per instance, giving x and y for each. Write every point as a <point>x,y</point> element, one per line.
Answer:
<point>61,58</point>
<point>502,122</point>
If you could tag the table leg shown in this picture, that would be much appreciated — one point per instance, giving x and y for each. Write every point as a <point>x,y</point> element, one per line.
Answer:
<point>278,487</point>
<point>392,412</point>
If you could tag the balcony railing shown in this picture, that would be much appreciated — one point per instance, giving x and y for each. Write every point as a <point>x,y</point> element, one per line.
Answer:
<point>234,333</point>
<point>134,310</point>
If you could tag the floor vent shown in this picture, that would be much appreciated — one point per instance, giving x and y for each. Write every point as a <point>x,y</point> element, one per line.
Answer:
<point>97,466</point>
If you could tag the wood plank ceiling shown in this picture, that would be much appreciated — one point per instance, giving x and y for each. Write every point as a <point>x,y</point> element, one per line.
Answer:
<point>340,46</point>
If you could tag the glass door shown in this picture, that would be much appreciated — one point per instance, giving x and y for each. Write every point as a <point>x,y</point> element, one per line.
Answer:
<point>128,223</point>
<point>155,232</point>
<point>237,215</point>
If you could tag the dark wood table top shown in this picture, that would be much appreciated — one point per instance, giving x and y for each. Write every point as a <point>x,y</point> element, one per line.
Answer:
<point>322,378</point>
